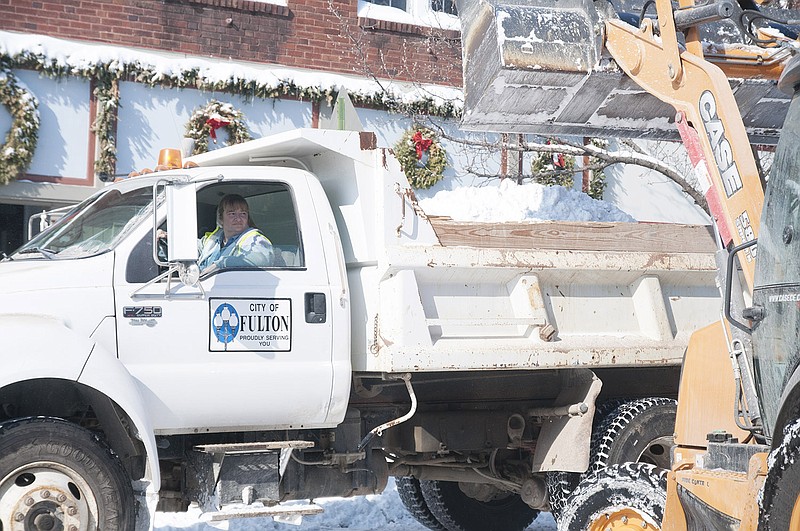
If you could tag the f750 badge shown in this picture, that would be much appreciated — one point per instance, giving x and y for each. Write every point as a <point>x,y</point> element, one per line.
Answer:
<point>141,311</point>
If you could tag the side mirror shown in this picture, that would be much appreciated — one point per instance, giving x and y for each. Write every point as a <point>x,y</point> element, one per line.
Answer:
<point>181,222</point>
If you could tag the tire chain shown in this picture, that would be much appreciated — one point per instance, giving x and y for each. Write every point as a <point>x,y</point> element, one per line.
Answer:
<point>561,484</point>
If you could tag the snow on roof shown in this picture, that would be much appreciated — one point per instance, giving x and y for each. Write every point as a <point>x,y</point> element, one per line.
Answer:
<point>82,56</point>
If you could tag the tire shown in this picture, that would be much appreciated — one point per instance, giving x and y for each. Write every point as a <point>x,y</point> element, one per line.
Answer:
<point>411,495</point>
<point>780,505</point>
<point>561,484</point>
<point>86,486</point>
<point>458,512</point>
<point>621,496</point>
<point>639,431</point>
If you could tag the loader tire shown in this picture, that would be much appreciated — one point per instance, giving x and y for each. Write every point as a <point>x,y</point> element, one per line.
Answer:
<point>458,512</point>
<point>411,495</point>
<point>57,475</point>
<point>780,505</point>
<point>627,496</point>
<point>561,484</point>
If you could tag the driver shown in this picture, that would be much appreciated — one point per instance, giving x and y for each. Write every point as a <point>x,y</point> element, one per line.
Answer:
<point>236,242</point>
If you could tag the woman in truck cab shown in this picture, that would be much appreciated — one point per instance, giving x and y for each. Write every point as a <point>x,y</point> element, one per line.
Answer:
<point>236,242</point>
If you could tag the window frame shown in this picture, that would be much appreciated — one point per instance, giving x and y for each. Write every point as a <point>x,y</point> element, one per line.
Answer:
<point>417,12</point>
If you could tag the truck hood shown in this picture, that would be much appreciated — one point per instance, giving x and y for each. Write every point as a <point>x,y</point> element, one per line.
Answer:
<point>78,292</point>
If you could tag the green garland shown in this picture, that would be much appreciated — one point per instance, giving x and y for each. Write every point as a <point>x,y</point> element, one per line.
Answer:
<point>107,97</point>
<point>17,152</point>
<point>108,73</point>
<point>421,157</point>
<point>199,127</point>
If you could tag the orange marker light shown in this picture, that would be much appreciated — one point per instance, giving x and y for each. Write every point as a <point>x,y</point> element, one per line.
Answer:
<point>169,158</point>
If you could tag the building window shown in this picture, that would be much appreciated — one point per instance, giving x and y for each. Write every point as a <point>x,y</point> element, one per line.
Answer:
<point>444,6</point>
<point>399,4</point>
<point>434,13</point>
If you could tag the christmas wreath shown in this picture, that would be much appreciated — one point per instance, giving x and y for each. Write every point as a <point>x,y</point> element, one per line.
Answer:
<point>214,115</point>
<point>17,152</point>
<point>421,156</point>
<point>551,169</point>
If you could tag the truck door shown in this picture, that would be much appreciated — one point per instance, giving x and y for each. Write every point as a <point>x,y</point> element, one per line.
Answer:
<point>250,346</point>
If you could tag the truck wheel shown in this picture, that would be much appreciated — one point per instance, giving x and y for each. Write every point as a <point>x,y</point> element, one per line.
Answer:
<point>56,475</point>
<point>561,484</point>
<point>627,496</point>
<point>780,504</point>
<point>411,495</point>
<point>639,431</point>
<point>458,512</point>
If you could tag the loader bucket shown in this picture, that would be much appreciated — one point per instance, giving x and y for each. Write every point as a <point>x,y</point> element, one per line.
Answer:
<point>564,35</point>
<point>539,66</point>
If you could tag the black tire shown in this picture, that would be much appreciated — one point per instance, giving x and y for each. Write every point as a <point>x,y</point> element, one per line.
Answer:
<point>639,431</point>
<point>620,496</point>
<point>561,484</point>
<point>411,495</point>
<point>782,486</point>
<point>86,484</point>
<point>458,512</point>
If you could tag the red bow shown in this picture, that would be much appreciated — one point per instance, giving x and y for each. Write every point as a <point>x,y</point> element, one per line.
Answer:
<point>216,123</point>
<point>421,144</point>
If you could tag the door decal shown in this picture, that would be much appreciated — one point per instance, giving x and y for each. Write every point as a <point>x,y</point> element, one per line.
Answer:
<point>253,325</point>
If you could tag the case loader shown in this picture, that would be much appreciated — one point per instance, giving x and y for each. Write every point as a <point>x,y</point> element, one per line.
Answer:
<point>581,67</point>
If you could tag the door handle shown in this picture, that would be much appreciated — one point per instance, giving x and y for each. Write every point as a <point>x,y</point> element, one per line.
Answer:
<point>315,308</point>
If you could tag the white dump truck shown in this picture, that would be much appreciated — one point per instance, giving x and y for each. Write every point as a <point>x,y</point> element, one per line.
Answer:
<point>466,359</point>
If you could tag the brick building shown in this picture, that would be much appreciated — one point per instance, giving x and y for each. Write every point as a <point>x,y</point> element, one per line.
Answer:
<point>116,80</point>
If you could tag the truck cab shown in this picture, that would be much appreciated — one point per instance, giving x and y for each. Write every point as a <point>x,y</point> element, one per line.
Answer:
<point>104,313</point>
<point>240,338</point>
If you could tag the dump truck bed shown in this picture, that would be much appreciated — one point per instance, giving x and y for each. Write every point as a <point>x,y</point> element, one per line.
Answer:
<point>538,296</point>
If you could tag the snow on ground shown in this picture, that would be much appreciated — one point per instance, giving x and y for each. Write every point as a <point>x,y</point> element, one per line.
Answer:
<point>520,202</point>
<point>360,513</point>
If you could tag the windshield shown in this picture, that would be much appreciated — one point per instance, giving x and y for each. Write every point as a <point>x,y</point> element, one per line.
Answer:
<point>93,227</point>
<point>776,338</point>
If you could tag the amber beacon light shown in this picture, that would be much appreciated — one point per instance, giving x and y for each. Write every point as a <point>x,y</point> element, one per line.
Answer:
<point>169,158</point>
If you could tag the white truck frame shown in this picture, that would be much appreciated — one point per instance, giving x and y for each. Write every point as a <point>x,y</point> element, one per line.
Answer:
<point>385,342</point>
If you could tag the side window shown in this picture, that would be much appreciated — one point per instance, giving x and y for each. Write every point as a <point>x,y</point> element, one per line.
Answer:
<point>271,210</point>
<point>444,6</point>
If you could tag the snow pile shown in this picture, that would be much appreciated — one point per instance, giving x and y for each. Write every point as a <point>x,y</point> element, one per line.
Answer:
<point>515,202</point>
<point>384,512</point>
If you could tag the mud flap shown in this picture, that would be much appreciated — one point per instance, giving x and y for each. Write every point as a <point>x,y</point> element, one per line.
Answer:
<point>702,516</point>
<point>563,443</point>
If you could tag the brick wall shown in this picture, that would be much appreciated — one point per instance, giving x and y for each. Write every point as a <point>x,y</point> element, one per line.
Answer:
<point>317,34</point>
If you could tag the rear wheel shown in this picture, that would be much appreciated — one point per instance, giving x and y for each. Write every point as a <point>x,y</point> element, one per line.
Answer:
<point>458,512</point>
<point>631,496</point>
<point>638,430</point>
<point>56,475</point>
<point>780,504</point>
<point>411,495</point>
